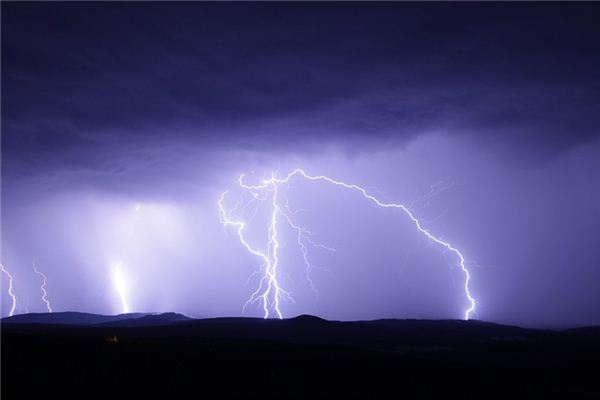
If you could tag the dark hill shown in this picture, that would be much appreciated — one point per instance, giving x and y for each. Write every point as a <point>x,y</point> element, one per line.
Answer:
<point>148,320</point>
<point>170,355</point>
<point>68,318</point>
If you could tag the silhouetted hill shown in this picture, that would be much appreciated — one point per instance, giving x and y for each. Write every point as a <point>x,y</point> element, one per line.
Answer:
<point>384,334</point>
<point>68,318</point>
<point>148,320</point>
<point>377,334</point>
<point>168,355</point>
<point>309,319</point>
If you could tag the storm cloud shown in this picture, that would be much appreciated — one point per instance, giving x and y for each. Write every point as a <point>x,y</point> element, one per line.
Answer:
<point>108,105</point>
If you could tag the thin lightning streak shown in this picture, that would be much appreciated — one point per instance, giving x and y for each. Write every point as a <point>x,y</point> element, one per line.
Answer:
<point>118,277</point>
<point>11,292</point>
<point>43,288</point>
<point>121,287</point>
<point>301,238</point>
<point>424,200</point>
<point>273,290</point>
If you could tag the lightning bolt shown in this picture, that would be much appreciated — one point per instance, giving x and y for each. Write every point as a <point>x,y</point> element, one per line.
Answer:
<point>11,292</point>
<point>120,286</point>
<point>269,291</point>
<point>117,275</point>
<point>43,288</point>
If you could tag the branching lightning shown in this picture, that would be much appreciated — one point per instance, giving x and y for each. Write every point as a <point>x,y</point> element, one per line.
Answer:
<point>11,292</point>
<point>270,292</point>
<point>43,288</point>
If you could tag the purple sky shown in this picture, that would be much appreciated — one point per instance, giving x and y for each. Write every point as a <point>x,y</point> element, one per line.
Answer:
<point>123,123</point>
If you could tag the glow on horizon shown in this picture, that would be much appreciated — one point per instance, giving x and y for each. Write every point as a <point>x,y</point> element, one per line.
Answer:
<point>269,291</point>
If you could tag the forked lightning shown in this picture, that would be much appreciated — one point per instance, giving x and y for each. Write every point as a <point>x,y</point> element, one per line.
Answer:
<point>270,292</point>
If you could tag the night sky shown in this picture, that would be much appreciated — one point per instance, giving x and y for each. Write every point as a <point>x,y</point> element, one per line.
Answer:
<point>122,124</point>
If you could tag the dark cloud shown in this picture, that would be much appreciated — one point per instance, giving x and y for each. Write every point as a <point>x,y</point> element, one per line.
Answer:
<point>78,73</point>
<point>164,105</point>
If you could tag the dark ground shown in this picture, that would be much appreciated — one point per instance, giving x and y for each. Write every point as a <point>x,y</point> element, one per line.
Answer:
<point>71,355</point>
